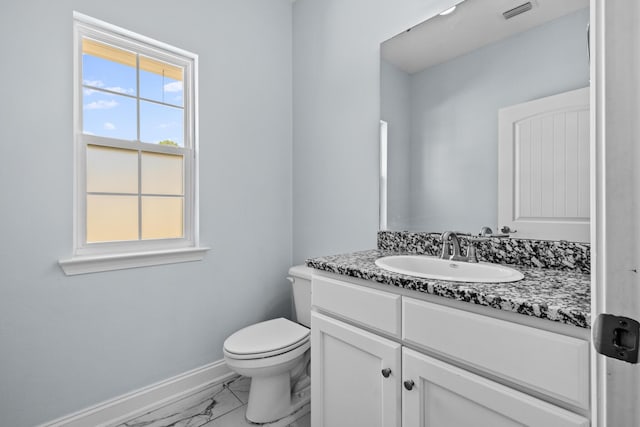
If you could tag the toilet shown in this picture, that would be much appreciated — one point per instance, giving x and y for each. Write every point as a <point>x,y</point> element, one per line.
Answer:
<point>275,355</point>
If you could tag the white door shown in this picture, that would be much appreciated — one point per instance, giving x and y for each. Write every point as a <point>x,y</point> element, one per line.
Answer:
<point>355,376</point>
<point>440,395</point>
<point>543,167</point>
<point>615,273</point>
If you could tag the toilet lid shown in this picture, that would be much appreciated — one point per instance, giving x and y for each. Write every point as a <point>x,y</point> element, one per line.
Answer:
<point>266,337</point>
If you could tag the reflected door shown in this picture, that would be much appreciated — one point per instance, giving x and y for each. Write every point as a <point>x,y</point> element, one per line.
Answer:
<point>543,160</point>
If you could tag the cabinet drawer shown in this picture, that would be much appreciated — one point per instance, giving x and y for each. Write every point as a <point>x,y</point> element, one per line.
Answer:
<point>550,363</point>
<point>375,309</point>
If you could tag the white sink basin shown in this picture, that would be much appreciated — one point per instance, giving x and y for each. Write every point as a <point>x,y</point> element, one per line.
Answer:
<point>442,269</point>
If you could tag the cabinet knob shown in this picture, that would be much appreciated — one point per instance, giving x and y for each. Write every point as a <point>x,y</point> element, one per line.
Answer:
<point>408,384</point>
<point>386,372</point>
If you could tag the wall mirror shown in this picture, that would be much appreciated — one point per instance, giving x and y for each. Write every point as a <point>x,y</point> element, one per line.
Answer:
<point>443,85</point>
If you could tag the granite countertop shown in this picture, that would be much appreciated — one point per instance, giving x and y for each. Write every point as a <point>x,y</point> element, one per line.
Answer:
<point>561,296</point>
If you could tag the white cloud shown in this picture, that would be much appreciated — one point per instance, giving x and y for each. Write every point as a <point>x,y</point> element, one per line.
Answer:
<point>173,87</point>
<point>94,83</point>
<point>121,90</point>
<point>109,126</point>
<point>100,84</point>
<point>100,105</point>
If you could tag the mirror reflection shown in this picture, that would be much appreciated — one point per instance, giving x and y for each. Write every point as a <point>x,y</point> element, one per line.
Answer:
<point>443,83</point>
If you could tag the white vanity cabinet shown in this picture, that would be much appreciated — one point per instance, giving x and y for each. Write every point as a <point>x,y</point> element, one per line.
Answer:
<point>384,359</point>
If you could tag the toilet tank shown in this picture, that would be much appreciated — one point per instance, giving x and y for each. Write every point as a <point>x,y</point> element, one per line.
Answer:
<point>300,278</point>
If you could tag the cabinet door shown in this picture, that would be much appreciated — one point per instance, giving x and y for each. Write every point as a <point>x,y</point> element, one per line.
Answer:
<point>348,387</point>
<point>443,396</point>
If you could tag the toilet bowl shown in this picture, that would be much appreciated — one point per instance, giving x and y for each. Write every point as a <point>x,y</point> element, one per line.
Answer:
<point>270,353</point>
<point>275,355</point>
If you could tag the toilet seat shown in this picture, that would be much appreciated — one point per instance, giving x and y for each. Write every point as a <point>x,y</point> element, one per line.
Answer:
<point>266,339</point>
<point>254,365</point>
<point>266,354</point>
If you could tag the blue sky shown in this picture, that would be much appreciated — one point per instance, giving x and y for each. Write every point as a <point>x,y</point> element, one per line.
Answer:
<point>114,116</point>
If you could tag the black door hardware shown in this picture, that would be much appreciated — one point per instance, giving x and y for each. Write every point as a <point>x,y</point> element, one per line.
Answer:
<point>617,337</point>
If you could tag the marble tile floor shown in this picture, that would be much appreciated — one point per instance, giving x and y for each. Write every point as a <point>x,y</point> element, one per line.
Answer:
<point>221,405</point>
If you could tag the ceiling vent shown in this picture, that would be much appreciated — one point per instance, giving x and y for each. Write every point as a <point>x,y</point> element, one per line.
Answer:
<point>525,7</point>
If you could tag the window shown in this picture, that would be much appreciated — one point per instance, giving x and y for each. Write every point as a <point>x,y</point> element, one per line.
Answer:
<point>135,145</point>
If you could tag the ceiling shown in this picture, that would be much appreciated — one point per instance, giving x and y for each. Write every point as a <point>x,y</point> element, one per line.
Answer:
<point>474,23</point>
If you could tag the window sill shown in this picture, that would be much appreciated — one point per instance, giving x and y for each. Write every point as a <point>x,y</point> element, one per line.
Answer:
<point>97,263</point>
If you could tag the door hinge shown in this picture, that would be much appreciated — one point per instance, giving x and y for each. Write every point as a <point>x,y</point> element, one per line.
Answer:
<point>617,337</point>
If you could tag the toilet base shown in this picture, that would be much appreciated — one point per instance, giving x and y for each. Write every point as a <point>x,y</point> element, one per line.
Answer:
<point>275,399</point>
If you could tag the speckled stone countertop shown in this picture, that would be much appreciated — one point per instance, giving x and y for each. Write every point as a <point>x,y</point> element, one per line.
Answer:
<point>561,296</point>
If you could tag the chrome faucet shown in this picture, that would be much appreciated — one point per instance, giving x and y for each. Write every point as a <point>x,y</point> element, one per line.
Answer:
<point>451,247</point>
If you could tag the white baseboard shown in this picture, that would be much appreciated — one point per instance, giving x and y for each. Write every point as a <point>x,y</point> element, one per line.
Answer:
<point>128,405</point>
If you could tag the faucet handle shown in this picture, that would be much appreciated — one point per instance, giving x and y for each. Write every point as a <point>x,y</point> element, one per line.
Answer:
<point>472,253</point>
<point>507,230</point>
<point>485,231</point>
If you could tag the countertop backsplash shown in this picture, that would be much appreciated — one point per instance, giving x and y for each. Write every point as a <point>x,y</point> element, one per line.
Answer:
<point>552,254</point>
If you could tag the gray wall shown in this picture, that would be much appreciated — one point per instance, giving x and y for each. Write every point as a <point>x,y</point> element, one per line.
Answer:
<point>336,105</point>
<point>454,123</point>
<point>70,342</point>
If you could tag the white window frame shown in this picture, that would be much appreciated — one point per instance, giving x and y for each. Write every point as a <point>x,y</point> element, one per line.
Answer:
<point>103,256</point>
